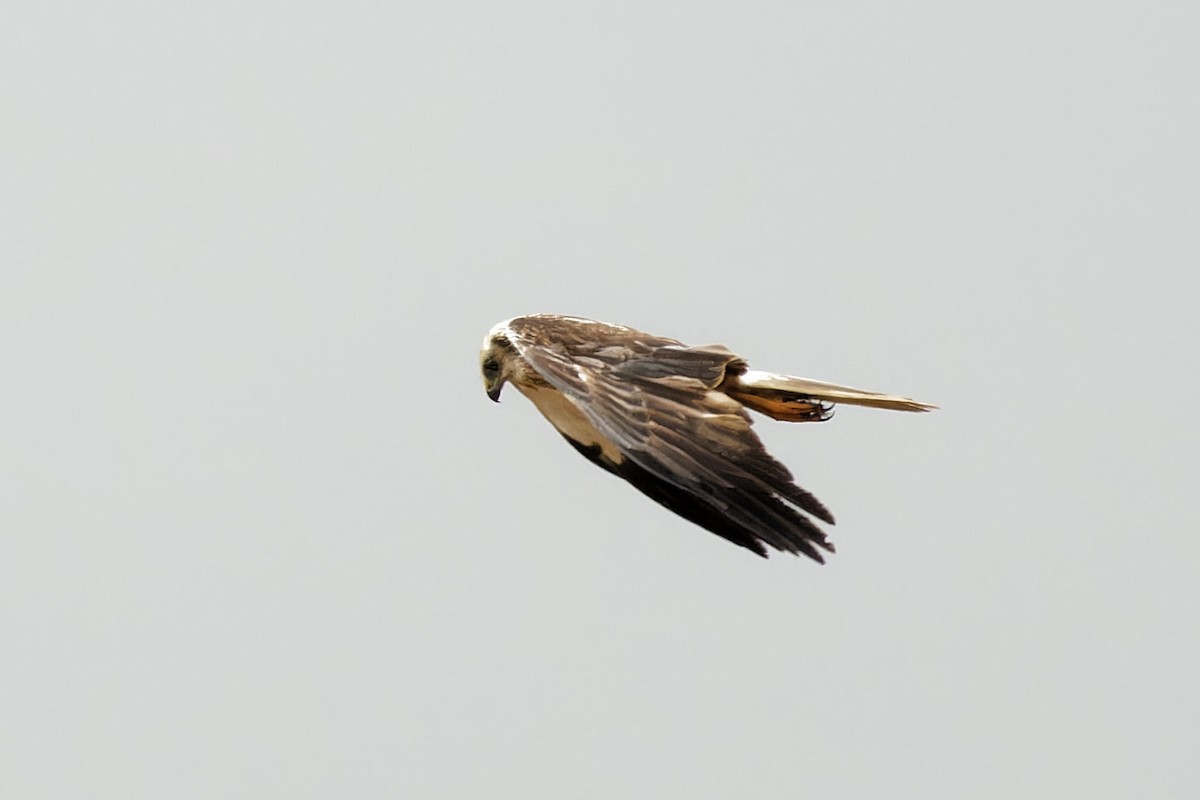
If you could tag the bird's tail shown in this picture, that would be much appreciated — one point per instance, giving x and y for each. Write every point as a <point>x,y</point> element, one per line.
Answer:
<point>793,399</point>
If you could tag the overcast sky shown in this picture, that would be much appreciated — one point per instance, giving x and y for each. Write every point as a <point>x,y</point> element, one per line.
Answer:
<point>263,535</point>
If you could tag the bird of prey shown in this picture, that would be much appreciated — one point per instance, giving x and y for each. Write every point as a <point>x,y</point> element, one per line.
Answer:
<point>672,420</point>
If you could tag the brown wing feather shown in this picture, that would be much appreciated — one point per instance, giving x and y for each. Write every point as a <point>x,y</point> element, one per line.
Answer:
<point>692,448</point>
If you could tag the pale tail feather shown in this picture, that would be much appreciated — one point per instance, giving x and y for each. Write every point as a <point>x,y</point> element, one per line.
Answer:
<point>789,398</point>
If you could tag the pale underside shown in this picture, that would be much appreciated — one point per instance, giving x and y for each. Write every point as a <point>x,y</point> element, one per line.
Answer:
<point>566,417</point>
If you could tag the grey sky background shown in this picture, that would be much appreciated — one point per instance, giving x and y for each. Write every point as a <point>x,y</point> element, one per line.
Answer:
<point>263,535</point>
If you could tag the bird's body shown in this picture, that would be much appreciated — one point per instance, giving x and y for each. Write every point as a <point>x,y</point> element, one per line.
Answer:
<point>671,420</point>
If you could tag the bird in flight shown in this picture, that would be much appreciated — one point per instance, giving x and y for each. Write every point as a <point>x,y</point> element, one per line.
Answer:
<point>672,420</point>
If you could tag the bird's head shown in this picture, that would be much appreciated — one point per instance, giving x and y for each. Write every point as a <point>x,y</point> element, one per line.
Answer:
<point>495,361</point>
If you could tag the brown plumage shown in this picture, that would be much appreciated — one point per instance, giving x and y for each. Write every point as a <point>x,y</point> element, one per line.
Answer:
<point>671,419</point>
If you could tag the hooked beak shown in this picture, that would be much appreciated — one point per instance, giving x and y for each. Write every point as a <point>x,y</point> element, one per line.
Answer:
<point>493,391</point>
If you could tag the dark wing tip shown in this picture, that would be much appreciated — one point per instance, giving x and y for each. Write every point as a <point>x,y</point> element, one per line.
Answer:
<point>773,523</point>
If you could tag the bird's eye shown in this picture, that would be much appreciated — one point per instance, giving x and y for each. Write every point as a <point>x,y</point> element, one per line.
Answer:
<point>490,366</point>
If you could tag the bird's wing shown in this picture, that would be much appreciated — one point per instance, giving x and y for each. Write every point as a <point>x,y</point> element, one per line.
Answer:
<point>686,445</point>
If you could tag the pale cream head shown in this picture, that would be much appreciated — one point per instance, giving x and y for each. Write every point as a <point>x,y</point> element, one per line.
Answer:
<point>495,360</point>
